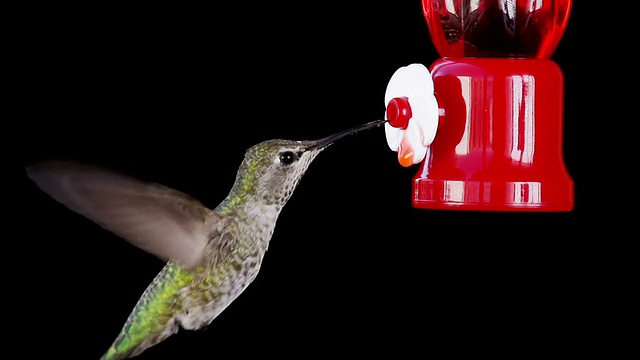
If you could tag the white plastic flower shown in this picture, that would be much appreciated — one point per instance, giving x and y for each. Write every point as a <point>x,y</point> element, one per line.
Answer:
<point>412,113</point>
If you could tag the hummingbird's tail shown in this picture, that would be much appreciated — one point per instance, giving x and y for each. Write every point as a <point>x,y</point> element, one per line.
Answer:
<point>136,336</point>
<point>113,354</point>
<point>152,320</point>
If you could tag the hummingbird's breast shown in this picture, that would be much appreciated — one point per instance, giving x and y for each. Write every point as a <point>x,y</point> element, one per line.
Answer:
<point>217,285</point>
<point>236,255</point>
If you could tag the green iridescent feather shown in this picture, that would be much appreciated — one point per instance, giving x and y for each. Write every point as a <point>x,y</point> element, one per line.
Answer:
<point>152,312</point>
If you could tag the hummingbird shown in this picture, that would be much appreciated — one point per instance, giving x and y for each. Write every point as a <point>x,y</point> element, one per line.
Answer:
<point>211,255</point>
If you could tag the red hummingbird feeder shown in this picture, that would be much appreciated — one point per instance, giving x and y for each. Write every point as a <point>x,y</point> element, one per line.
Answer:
<point>498,145</point>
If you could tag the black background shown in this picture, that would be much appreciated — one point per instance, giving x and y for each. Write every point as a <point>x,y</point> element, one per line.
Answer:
<point>176,93</point>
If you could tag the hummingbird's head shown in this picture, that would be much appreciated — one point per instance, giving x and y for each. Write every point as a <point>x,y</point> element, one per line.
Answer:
<point>272,169</point>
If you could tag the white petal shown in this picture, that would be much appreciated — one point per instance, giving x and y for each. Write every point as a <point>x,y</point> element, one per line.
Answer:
<point>394,136</point>
<point>413,136</point>
<point>425,117</point>
<point>411,81</point>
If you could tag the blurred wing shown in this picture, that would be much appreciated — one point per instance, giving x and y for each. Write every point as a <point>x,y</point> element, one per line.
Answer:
<point>162,221</point>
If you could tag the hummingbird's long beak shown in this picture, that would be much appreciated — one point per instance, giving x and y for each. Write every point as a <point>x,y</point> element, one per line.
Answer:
<point>324,142</point>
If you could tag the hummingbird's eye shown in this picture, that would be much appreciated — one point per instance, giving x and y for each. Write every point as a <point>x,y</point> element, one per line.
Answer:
<point>287,157</point>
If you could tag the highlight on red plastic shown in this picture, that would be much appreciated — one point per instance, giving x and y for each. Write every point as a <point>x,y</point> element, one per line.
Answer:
<point>399,112</point>
<point>499,142</point>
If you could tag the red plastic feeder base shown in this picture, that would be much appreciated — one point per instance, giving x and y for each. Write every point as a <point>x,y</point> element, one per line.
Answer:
<point>499,142</point>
